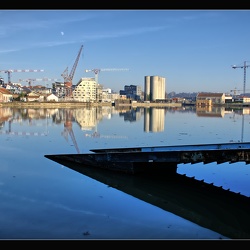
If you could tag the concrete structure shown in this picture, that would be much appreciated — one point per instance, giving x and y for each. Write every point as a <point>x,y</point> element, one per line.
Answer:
<point>154,88</point>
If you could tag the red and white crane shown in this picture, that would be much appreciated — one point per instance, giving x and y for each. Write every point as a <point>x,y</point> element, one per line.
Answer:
<point>68,78</point>
<point>97,71</point>
<point>9,71</point>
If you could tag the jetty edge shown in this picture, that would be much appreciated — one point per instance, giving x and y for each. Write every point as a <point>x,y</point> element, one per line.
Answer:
<point>135,160</point>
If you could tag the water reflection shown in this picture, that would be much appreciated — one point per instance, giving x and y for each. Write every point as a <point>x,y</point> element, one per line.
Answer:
<point>88,118</point>
<point>27,134</point>
<point>204,204</point>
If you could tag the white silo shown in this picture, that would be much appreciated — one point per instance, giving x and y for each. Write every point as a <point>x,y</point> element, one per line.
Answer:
<point>147,88</point>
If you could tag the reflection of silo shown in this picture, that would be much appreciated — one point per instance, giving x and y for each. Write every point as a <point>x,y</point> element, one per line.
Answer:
<point>146,119</point>
<point>154,88</point>
<point>157,120</point>
<point>154,119</point>
<point>147,88</point>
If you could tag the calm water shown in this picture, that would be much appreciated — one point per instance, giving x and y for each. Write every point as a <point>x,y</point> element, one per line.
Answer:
<point>42,199</point>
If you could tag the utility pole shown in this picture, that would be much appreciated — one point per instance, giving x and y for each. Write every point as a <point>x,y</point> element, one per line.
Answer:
<point>245,66</point>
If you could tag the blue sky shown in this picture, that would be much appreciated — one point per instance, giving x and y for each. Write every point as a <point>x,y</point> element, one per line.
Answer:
<point>193,49</point>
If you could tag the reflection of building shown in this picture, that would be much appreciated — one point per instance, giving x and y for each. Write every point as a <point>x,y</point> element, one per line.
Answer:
<point>154,119</point>
<point>246,111</point>
<point>5,115</point>
<point>33,117</point>
<point>86,118</point>
<point>154,88</point>
<point>210,111</point>
<point>132,115</point>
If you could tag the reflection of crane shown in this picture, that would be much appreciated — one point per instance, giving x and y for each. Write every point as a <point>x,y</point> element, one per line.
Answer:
<point>9,71</point>
<point>97,71</point>
<point>96,134</point>
<point>243,67</point>
<point>29,80</point>
<point>242,123</point>
<point>68,129</point>
<point>69,77</point>
<point>22,133</point>
<point>242,126</point>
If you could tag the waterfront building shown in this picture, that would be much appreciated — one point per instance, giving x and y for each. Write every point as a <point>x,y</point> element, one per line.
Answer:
<point>86,90</point>
<point>133,92</point>
<point>34,97</point>
<point>109,96</point>
<point>51,98</point>
<point>58,89</point>
<point>208,99</point>
<point>5,95</point>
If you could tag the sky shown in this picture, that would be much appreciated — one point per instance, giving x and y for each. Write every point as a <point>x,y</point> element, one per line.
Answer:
<point>194,50</point>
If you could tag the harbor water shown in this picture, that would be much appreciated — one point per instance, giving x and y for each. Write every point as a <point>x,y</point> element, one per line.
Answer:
<point>42,199</point>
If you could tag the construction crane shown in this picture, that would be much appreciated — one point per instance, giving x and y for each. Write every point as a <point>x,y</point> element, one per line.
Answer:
<point>30,80</point>
<point>9,71</point>
<point>69,77</point>
<point>235,91</point>
<point>245,66</point>
<point>97,71</point>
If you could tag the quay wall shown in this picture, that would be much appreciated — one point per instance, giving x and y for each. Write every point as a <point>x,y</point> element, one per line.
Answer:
<point>71,104</point>
<point>49,104</point>
<point>82,104</point>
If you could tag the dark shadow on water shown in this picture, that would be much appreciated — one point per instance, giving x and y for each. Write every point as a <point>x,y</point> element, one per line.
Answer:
<point>206,205</point>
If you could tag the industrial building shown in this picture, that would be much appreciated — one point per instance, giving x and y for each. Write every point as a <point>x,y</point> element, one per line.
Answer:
<point>154,88</point>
